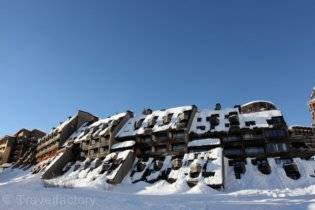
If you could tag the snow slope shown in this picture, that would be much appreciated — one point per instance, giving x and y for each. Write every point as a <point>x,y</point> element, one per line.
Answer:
<point>21,190</point>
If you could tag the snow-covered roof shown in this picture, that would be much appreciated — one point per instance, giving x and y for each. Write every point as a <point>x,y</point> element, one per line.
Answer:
<point>201,122</point>
<point>124,144</point>
<point>201,125</point>
<point>204,142</point>
<point>300,126</point>
<point>258,101</point>
<point>97,128</point>
<point>61,126</point>
<point>130,130</point>
<point>260,118</point>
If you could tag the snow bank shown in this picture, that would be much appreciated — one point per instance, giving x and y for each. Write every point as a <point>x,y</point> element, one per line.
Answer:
<point>21,190</point>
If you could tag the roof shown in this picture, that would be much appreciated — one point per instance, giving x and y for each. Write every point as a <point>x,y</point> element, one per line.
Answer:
<point>97,128</point>
<point>201,124</point>
<point>130,130</point>
<point>21,130</point>
<point>258,101</point>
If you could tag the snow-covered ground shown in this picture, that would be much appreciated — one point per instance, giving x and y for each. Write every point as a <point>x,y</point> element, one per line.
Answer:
<point>22,190</point>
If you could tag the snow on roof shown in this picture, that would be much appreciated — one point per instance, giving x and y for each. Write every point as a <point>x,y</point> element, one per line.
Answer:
<point>260,118</point>
<point>300,126</point>
<point>129,128</point>
<point>204,142</point>
<point>61,126</point>
<point>65,123</point>
<point>124,144</point>
<point>97,128</point>
<point>200,125</point>
<point>258,101</point>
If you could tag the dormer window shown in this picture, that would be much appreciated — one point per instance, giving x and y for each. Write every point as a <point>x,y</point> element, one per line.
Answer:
<point>167,119</point>
<point>138,124</point>
<point>183,116</point>
<point>152,122</point>
<point>214,120</point>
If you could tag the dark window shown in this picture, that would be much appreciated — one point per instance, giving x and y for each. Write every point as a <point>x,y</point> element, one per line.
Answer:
<point>199,119</point>
<point>201,127</point>
<point>249,123</point>
<point>138,124</point>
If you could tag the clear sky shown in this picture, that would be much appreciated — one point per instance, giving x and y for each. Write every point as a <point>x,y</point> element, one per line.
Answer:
<point>109,56</point>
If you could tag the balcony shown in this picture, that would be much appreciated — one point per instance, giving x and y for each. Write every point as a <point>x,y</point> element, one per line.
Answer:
<point>248,137</point>
<point>93,146</point>
<point>104,143</point>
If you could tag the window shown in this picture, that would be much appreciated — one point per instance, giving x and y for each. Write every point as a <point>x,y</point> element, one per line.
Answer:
<point>167,119</point>
<point>161,148</point>
<point>138,124</point>
<point>275,133</point>
<point>147,139</point>
<point>254,150</point>
<point>249,123</point>
<point>201,128</point>
<point>276,120</point>
<point>278,147</point>
<point>199,119</point>
<point>177,147</point>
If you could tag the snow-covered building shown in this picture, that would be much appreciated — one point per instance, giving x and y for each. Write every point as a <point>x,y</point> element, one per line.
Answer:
<point>244,131</point>
<point>161,132</point>
<point>93,149</point>
<point>14,148</point>
<point>301,141</point>
<point>25,146</point>
<point>96,139</point>
<point>6,147</point>
<point>160,137</point>
<point>49,146</point>
<point>186,144</point>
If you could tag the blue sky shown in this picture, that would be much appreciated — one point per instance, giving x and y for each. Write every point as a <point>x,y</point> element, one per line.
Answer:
<point>109,56</point>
